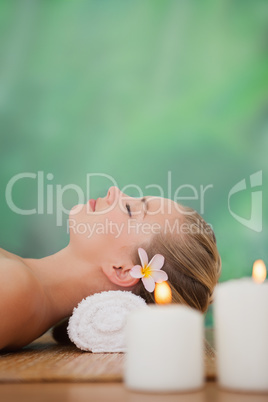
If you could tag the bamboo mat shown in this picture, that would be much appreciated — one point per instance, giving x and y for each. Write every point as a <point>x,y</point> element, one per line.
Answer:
<point>44,360</point>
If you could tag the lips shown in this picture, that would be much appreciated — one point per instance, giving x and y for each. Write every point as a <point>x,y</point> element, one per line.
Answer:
<point>92,204</point>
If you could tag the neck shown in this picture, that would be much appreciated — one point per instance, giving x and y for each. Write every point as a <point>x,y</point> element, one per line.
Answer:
<point>66,280</point>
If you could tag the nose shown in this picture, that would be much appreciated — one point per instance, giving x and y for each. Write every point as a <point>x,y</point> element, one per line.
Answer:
<point>113,194</point>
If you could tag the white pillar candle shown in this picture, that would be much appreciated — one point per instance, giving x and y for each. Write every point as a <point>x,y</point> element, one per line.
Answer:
<point>164,349</point>
<point>241,334</point>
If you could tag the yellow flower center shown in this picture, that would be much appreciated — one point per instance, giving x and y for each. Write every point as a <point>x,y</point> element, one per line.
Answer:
<point>146,271</point>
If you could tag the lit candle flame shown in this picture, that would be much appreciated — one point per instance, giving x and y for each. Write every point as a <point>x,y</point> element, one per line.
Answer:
<point>162,293</point>
<point>259,271</point>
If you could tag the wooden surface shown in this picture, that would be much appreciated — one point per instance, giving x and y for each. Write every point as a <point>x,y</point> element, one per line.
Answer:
<point>46,361</point>
<point>114,392</point>
<point>50,361</point>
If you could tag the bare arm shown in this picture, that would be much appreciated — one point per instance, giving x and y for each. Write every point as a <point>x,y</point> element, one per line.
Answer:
<point>22,305</point>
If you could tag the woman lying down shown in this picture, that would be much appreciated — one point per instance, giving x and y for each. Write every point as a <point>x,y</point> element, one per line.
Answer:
<point>111,241</point>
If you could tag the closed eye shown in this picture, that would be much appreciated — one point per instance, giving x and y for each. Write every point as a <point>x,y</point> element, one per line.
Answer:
<point>128,210</point>
<point>145,205</point>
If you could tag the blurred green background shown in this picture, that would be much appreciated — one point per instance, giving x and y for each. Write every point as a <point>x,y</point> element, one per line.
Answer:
<point>137,90</point>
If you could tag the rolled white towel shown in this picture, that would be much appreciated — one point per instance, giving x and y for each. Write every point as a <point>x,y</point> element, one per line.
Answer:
<point>98,322</point>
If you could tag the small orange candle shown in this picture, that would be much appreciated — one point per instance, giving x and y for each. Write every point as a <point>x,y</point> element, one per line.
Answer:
<point>162,293</point>
<point>259,271</point>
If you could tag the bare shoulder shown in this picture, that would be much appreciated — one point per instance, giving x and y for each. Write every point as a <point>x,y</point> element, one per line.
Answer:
<point>21,301</point>
<point>13,271</point>
<point>4,254</point>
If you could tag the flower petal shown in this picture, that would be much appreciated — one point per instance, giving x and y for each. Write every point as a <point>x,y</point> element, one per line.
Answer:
<point>159,276</point>
<point>136,272</point>
<point>157,262</point>
<point>149,283</point>
<point>143,256</point>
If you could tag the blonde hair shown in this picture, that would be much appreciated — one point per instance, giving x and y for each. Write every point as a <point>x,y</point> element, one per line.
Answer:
<point>192,261</point>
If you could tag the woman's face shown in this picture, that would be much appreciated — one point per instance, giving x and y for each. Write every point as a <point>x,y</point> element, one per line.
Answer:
<point>109,226</point>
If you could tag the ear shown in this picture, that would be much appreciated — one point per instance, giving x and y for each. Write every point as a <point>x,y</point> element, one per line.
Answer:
<point>119,275</point>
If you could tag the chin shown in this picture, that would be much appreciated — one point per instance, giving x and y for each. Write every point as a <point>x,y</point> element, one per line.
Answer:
<point>76,209</point>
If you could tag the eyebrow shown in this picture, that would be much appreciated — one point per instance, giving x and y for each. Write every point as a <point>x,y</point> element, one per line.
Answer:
<point>144,200</point>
